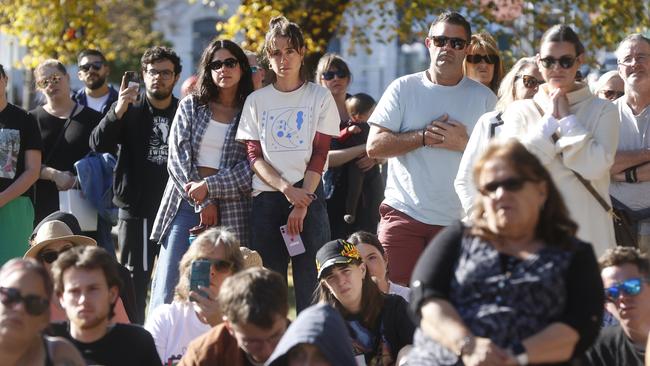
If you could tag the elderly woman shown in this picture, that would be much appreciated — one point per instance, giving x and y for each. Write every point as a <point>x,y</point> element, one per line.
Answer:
<point>521,82</point>
<point>25,292</point>
<point>191,313</point>
<point>483,63</point>
<point>514,286</point>
<point>572,132</point>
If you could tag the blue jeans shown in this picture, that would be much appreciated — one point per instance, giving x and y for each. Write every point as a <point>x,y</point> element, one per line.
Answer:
<point>172,249</point>
<point>270,211</point>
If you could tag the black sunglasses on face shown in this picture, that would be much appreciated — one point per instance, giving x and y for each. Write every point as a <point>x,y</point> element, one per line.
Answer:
<point>612,94</point>
<point>94,65</point>
<point>34,304</point>
<point>631,287</point>
<point>566,62</point>
<point>329,75</point>
<point>218,64</point>
<point>529,81</point>
<point>476,59</point>
<point>455,43</point>
<point>509,184</point>
<point>49,256</point>
<point>220,265</point>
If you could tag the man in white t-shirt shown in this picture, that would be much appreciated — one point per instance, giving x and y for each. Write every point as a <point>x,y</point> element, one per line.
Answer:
<point>631,169</point>
<point>93,72</point>
<point>420,124</point>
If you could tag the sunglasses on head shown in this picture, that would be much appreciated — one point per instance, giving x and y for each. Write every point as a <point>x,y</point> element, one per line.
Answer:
<point>329,75</point>
<point>218,64</point>
<point>34,304</point>
<point>220,265</point>
<point>94,65</point>
<point>565,62</point>
<point>612,94</point>
<point>52,80</point>
<point>631,287</point>
<point>49,256</point>
<point>455,43</point>
<point>509,184</point>
<point>529,81</point>
<point>476,59</point>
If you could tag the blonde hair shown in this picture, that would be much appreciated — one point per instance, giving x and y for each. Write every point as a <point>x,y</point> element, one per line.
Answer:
<point>483,41</point>
<point>506,92</point>
<point>204,244</point>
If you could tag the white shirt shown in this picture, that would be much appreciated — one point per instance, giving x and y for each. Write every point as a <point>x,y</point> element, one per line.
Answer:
<point>211,148</point>
<point>96,103</point>
<point>395,289</point>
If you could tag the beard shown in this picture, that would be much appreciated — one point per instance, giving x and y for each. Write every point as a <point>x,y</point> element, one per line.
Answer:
<point>159,94</point>
<point>97,83</point>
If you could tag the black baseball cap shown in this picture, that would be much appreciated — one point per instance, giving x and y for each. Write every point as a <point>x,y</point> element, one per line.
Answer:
<point>335,252</point>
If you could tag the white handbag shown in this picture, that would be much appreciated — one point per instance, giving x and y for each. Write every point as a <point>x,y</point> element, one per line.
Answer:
<point>74,202</point>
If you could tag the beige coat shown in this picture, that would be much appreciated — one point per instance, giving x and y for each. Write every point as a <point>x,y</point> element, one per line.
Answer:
<point>589,149</point>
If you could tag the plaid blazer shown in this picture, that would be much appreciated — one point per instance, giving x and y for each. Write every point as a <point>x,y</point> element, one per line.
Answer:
<point>230,189</point>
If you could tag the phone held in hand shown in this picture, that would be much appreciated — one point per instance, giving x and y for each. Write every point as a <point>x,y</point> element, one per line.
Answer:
<point>293,242</point>
<point>200,276</point>
<point>131,79</point>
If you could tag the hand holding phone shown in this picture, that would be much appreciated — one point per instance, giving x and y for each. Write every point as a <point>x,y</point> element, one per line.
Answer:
<point>129,93</point>
<point>200,276</point>
<point>294,243</point>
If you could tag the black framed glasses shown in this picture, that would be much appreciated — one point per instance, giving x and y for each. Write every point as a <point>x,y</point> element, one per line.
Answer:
<point>49,256</point>
<point>218,64</point>
<point>476,59</point>
<point>630,287</point>
<point>565,62</point>
<point>52,80</point>
<point>512,184</point>
<point>97,65</point>
<point>611,94</point>
<point>455,43</point>
<point>529,81</point>
<point>164,74</point>
<point>329,75</point>
<point>34,304</point>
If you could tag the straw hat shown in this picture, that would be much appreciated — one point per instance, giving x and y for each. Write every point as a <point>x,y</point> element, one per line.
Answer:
<point>53,231</point>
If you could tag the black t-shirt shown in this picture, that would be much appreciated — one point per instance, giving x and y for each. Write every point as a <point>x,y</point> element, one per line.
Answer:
<point>123,345</point>
<point>614,348</point>
<point>72,147</point>
<point>18,133</point>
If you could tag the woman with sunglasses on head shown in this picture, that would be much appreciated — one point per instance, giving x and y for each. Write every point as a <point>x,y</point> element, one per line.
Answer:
<point>192,313</point>
<point>25,292</point>
<point>513,286</point>
<point>209,176</point>
<point>65,128</point>
<point>483,62</point>
<point>521,82</point>
<point>287,126</point>
<point>573,133</point>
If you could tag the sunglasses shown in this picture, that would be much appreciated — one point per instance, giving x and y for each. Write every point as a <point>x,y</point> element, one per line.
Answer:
<point>476,59</point>
<point>329,75</point>
<point>218,64</point>
<point>612,94</point>
<point>631,287</point>
<point>49,256</point>
<point>530,82</point>
<point>566,62</point>
<point>220,265</point>
<point>52,80</point>
<point>455,43</point>
<point>509,184</point>
<point>34,305</point>
<point>94,65</point>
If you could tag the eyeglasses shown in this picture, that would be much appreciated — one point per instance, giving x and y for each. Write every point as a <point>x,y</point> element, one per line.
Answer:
<point>218,64</point>
<point>476,59</point>
<point>566,62</point>
<point>329,75</point>
<point>52,80</point>
<point>164,74</point>
<point>611,94</point>
<point>640,58</point>
<point>529,81</point>
<point>220,265</point>
<point>258,343</point>
<point>49,256</point>
<point>34,304</point>
<point>509,184</point>
<point>94,65</point>
<point>455,43</point>
<point>631,287</point>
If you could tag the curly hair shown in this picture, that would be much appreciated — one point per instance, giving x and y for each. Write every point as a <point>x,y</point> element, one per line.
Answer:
<point>159,53</point>
<point>625,255</point>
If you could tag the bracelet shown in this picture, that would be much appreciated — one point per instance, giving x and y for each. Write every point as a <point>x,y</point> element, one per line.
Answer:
<point>630,175</point>
<point>423,132</point>
<point>519,352</point>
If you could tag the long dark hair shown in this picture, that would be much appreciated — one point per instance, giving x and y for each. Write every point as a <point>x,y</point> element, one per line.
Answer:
<point>372,299</point>
<point>206,89</point>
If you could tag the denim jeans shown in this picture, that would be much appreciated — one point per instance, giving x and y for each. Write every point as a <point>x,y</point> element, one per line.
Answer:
<point>172,249</point>
<point>270,211</point>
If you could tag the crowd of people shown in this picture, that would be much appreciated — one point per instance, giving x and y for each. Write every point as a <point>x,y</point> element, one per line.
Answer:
<point>474,215</point>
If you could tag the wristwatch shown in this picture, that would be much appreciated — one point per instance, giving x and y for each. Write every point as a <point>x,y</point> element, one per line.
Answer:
<point>466,346</point>
<point>519,352</point>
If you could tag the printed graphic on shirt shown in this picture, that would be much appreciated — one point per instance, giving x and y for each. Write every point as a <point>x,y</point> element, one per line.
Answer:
<point>9,148</point>
<point>158,148</point>
<point>285,129</point>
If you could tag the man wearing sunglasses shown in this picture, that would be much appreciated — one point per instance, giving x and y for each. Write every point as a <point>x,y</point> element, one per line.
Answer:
<point>93,72</point>
<point>631,170</point>
<point>625,272</point>
<point>142,131</point>
<point>420,125</point>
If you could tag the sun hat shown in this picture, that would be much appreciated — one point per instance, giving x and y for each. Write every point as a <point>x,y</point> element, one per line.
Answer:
<point>53,231</point>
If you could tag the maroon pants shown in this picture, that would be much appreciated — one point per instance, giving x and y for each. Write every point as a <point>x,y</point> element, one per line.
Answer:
<point>404,240</point>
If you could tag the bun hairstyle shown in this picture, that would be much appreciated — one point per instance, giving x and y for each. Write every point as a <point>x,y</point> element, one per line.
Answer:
<point>563,33</point>
<point>281,27</point>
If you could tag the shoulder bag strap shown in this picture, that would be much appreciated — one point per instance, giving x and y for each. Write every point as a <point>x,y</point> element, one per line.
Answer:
<point>61,134</point>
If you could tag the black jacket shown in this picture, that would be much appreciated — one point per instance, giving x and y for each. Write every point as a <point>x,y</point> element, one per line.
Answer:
<point>128,136</point>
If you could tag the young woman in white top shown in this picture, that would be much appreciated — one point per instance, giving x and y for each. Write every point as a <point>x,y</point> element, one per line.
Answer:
<point>287,127</point>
